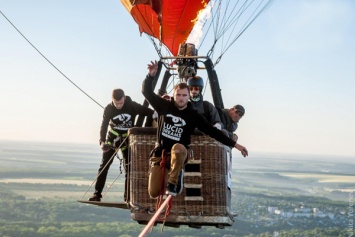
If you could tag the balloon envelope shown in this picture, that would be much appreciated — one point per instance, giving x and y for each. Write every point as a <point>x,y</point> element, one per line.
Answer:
<point>169,21</point>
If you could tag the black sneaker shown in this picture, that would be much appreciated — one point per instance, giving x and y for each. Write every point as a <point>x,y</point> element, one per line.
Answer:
<point>171,189</point>
<point>95,198</point>
<point>180,182</point>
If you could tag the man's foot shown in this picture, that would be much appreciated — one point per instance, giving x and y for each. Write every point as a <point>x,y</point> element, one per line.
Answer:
<point>180,182</point>
<point>95,198</point>
<point>171,189</point>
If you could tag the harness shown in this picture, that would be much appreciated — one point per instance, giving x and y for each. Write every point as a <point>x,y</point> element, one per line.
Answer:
<point>119,138</point>
<point>162,186</point>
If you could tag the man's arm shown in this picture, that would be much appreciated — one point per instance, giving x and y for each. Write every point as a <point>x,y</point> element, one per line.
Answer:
<point>213,132</point>
<point>104,124</point>
<point>142,110</point>
<point>242,149</point>
<point>147,88</point>
<point>153,68</point>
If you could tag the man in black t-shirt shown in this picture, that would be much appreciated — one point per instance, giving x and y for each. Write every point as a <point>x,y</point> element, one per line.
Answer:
<point>177,121</point>
<point>120,116</point>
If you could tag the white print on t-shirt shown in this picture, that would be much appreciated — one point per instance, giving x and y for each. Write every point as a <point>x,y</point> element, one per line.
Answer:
<point>173,131</point>
<point>124,122</point>
<point>178,122</point>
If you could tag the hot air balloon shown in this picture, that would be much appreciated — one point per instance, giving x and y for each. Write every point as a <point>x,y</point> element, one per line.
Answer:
<point>192,35</point>
<point>179,30</point>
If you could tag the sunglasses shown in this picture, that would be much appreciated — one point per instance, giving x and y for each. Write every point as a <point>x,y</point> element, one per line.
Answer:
<point>196,88</point>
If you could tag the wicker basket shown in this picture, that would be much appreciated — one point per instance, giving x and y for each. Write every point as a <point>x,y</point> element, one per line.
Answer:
<point>205,199</point>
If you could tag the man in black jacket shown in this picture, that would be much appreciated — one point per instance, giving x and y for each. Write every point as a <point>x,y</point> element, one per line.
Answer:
<point>230,119</point>
<point>204,107</point>
<point>176,123</point>
<point>120,115</point>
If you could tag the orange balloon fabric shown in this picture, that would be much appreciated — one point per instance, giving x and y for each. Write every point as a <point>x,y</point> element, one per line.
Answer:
<point>170,21</point>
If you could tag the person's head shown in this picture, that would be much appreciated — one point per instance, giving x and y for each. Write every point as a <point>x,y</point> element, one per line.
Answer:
<point>181,95</point>
<point>196,86</point>
<point>118,98</point>
<point>236,113</point>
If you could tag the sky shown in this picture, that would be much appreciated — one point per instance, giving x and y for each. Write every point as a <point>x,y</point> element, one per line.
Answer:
<point>293,70</point>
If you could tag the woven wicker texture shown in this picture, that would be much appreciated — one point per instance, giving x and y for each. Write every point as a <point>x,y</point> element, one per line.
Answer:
<point>205,190</point>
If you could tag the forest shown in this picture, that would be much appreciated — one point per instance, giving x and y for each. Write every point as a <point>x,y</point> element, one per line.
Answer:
<point>64,217</point>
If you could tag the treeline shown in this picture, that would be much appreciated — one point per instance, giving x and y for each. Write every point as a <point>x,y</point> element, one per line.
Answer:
<point>110,229</point>
<point>15,208</point>
<point>62,218</point>
<point>245,201</point>
<point>65,229</point>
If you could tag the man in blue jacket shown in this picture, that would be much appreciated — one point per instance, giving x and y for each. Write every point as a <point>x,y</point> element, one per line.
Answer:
<point>176,123</point>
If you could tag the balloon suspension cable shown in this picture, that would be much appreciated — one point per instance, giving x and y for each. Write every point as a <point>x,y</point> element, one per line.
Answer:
<point>218,60</point>
<point>156,215</point>
<point>247,24</point>
<point>156,47</point>
<point>114,154</point>
<point>119,174</point>
<point>51,62</point>
<point>211,51</point>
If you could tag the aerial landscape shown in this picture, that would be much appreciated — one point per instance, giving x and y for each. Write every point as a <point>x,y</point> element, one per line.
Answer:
<point>273,195</point>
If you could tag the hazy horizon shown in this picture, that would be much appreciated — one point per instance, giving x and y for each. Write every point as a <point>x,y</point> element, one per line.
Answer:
<point>94,147</point>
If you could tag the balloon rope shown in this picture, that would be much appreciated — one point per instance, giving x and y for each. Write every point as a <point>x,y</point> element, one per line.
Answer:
<point>51,62</point>
<point>153,219</point>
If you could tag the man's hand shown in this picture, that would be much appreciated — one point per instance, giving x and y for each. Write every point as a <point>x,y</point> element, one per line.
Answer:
<point>242,149</point>
<point>104,147</point>
<point>153,68</point>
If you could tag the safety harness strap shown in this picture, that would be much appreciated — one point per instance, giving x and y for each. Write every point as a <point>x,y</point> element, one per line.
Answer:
<point>162,186</point>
